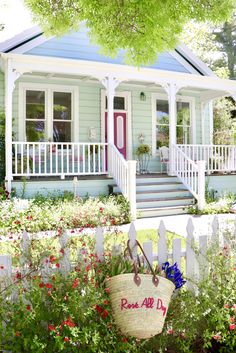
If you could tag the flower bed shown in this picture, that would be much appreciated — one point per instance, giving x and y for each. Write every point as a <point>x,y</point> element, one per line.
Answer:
<point>43,214</point>
<point>53,308</point>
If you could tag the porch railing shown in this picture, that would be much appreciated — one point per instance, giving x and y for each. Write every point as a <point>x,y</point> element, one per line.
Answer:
<point>219,158</point>
<point>58,159</point>
<point>124,173</point>
<point>191,173</point>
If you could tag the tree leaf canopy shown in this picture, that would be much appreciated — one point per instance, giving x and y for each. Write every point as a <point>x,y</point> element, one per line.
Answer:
<point>142,28</point>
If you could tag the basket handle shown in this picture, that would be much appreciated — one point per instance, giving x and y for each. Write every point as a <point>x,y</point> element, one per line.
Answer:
<point>137,279</point>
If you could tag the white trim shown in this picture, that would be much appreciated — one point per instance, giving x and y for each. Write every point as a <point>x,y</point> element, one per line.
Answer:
<point>30,45</point>
<point>127,110</point>
<point>188,54</point>
<point>31,63</point>
<point>49,89</point>
<point>179,98</point>
<point>19,38</point>
<point>183,62</point>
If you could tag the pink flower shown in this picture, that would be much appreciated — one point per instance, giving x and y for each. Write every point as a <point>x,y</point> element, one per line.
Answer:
<point>217,337</point>
<point>232,327</point>
<point>231,319</point>
<point>58,265</point>
<point>226,306</point>
<point>170,331</point>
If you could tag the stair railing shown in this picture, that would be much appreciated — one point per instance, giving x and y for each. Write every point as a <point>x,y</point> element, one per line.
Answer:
<point>191,173</point>
<point>124,173</point>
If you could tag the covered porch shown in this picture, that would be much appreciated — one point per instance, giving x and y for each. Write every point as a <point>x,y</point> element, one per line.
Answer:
<point>101,153</point>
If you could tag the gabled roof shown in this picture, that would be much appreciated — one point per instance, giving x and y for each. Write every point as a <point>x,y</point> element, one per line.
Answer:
<point>33,37</point>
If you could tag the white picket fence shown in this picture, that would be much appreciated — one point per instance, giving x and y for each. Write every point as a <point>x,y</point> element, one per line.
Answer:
<point>193,263</point>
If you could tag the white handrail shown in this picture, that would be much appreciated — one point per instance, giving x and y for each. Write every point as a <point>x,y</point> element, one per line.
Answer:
<point>58,158</point>
<point>124,173</point>
<point>190,173</point>
<point>219,158</point>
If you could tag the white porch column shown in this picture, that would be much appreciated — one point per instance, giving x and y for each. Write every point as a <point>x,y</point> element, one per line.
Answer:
<point>110,83</point>
<point>172,89</point>
<point>10,77</point>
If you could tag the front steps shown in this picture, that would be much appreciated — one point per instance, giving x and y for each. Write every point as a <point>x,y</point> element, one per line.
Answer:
<point>160,195</point>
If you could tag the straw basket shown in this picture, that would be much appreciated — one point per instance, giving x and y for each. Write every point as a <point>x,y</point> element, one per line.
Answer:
<point>140,303</point>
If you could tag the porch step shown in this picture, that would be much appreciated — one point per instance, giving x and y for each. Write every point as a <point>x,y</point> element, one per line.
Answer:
<point>159,196</point>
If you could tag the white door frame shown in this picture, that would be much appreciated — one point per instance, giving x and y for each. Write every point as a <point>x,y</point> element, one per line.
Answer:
<point>127,96</point>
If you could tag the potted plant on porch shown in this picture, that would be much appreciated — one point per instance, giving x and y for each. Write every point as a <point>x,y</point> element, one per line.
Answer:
<point>143,153</point>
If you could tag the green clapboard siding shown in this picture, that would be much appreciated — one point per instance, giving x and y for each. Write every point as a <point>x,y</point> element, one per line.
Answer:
<point>84,188</point>
<point>1,90</point>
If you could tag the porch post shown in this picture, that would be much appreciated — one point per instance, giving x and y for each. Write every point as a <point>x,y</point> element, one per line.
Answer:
<point>10,77</point>
<point>110,83</point>
<point>172,89</point>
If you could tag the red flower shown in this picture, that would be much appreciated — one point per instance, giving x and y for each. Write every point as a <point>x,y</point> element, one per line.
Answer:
<point>217,337</point>
<point>41,285</point>
<point>105,302</point>
<point>232,327</point>
<point>17,334</point>
<point>48,285</point>
<point>99,309</point>
<point>107,290</point>
<point>18,275</point>
<point>52,259</point>
<point>87,268</point>
<point>170,332</point>
<point>101,209</point>
<point>75,283</point>
<point>2,267</point>
<point>68,322</point>
<point>105,314</point>
<point>124,339</point>
<point>58,265</point>
<point>66,339</point>
<point>28,307</point>
<point>62,251</point>
<point>51,328</point>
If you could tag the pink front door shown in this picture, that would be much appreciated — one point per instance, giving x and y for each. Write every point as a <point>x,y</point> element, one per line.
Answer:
<point>119,132</point>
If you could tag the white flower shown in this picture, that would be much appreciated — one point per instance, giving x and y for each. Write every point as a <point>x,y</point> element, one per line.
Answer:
<point>83,292</point>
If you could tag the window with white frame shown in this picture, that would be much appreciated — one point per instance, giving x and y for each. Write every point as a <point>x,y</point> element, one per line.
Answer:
<point>49,113</point>
<point>162,122</point>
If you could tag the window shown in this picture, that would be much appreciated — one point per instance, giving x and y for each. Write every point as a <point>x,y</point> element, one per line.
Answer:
<point>35,115</point>
<point>183,127</point>
<point>49,112</point>
<point>61,117</point>
<point>119,103</point>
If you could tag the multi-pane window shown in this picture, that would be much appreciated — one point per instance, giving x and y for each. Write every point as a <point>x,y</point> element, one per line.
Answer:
<point>119,103</point>
<point>62,117</point>
<point>48,118</point>
<point>183,127</point>
<point>35,116</point>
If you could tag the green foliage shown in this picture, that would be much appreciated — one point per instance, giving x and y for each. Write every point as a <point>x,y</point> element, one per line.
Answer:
<point>141,28</point>
<point>142,149</point>
<point>215,205</point>
<point>43,214</point>
<point>224,124</point>
<point>2,145</point>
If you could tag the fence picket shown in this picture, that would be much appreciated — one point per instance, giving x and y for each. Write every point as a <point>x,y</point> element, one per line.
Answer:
<point>99,248</point>
<point>215,231</point>
<point>190,255</point>
<point>176,246</point>
<point>162,244</point>
<point>132,238</point>
<point>147,247</point>
<point>203,264</point>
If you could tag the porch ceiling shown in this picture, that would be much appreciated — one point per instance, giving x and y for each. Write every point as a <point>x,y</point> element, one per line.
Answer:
<point>207,87</point>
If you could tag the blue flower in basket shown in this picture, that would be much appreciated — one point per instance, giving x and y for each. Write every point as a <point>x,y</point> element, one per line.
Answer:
<point>173,274</point>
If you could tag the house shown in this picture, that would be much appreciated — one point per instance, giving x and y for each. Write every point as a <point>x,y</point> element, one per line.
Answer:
<point>74,119</point>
